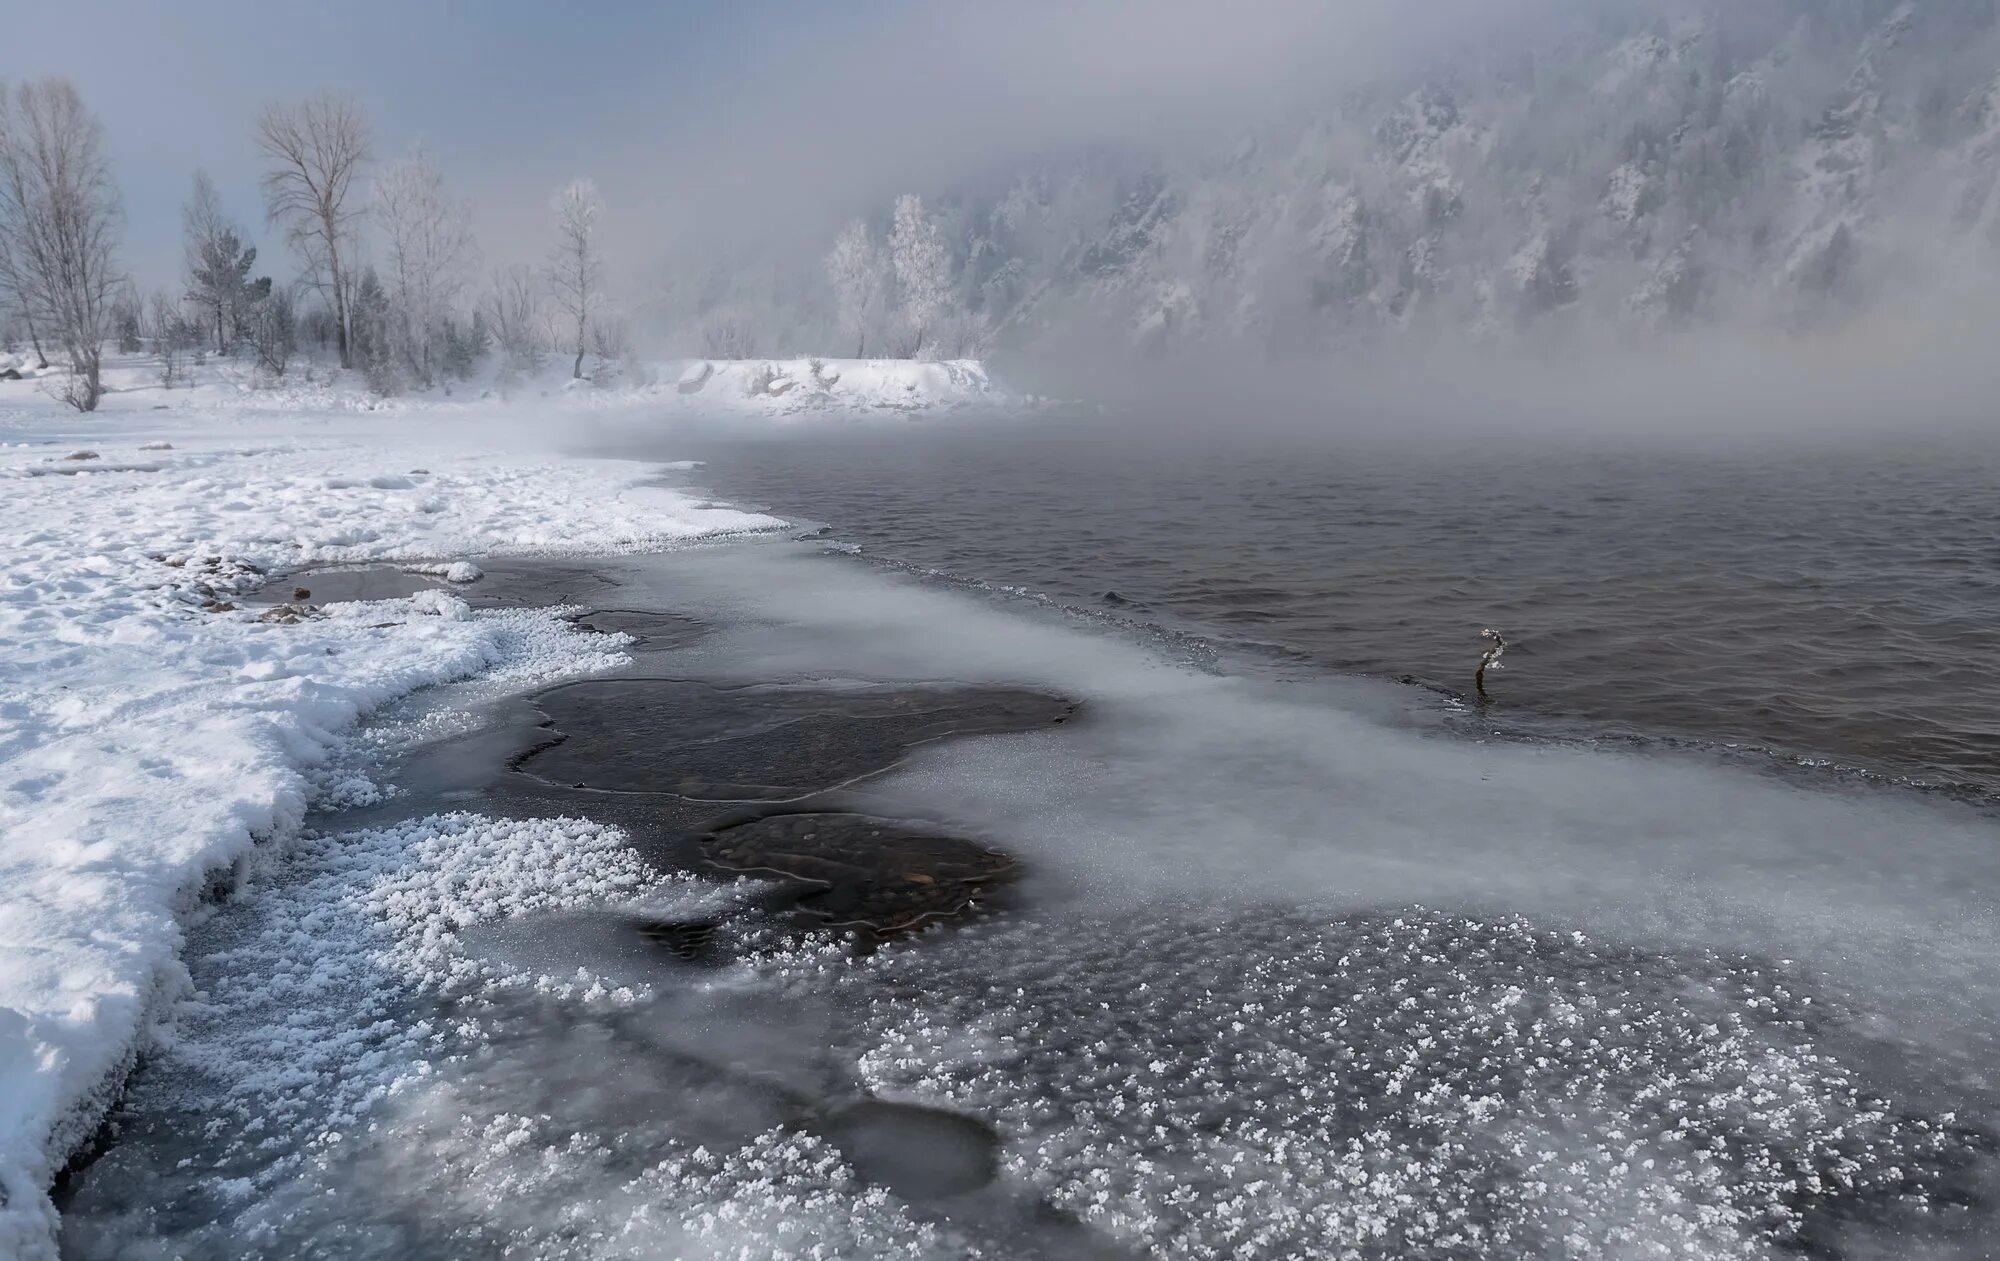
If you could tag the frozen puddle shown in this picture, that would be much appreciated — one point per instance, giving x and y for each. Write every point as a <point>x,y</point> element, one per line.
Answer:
<point>1270,977</point>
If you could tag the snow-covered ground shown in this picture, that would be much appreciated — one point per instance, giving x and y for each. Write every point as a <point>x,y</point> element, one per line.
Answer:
<point>152,734</point>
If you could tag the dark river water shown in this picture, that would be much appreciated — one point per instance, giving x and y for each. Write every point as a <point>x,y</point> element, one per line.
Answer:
<point>1838,606</point>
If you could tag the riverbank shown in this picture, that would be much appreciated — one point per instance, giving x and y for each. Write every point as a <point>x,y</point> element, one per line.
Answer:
<point>155,729</point>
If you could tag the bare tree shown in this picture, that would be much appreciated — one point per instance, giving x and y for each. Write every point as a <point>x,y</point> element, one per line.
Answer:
<point>173,336</point>
<point>59,223</point>
<point>430,250</point>
<point>514,309</point>
<point>575,270</point>
<point>315,149</point>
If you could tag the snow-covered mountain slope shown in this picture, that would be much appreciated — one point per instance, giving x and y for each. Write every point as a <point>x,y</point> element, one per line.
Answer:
<point>1638,164</point>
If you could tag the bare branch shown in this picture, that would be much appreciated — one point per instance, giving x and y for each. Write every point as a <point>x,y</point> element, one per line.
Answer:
<point>315,148</point>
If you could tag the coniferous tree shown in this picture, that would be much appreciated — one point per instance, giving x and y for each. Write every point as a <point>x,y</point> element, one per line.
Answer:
<point>372,334</point>
<point>219,283</point>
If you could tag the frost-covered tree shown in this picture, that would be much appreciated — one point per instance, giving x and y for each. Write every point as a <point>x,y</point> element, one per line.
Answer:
<point>218,263</point>
<point>923,273</point>
<point>128,319</point>
<point>575,268</point>
<point>59,223</point>
<point>271,326</point>
<point>513,310</point>
<point>315,149</point>
<point>464,343</point>
<point>860,278</point>
<point>428,236</point>
<point>173,335</point>
<point>729,332</point>
<point>373,334</point>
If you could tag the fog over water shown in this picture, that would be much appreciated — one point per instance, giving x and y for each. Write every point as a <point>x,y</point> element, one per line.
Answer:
<point>1774,184</point>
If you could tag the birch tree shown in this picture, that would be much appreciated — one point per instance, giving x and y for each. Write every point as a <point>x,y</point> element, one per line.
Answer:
<point>575,269</point>
<point>315,148</point>
<point>860,283</point>
<point>429,238</point>
<point>59,223</point>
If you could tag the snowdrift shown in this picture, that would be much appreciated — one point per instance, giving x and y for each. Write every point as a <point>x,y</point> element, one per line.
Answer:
<point>793,385</point>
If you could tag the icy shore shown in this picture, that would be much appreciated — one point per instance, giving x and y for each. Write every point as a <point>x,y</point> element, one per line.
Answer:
<point>152,733</point>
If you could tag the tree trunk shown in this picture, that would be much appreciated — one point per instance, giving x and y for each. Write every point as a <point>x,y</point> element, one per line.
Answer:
<point>339,304</point>
<point>35,340</point>
<point>218,329</point>
<point>576,372</point>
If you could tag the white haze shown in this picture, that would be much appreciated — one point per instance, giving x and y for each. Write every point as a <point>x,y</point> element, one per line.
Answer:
<point>1647,216</point>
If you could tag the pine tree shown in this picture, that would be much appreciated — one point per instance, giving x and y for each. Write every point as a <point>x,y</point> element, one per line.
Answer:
<point>219,282</point>
<point>372,339</point>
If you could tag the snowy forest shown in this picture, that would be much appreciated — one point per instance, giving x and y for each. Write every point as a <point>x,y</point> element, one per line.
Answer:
<point>1634,165</point>
<point>1644,166</point>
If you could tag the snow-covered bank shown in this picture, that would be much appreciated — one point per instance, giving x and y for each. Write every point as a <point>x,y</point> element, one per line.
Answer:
<point>787,386</point>
<point>151,734</point>
<point>694,388</point>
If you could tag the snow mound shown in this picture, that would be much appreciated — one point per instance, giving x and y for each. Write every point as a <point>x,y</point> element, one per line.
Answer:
<point>442,604</point>
<point>787,386</point>
<point>459,571</point>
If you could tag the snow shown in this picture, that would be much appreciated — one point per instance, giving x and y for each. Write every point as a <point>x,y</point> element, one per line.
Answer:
<point>460,571</point>
<point>739,389</point>
<point>791,386</point>
<point>152,735</point>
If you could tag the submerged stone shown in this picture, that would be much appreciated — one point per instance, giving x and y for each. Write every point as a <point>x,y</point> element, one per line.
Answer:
<point>874,873</point>
<point>652,628</point>
<point>339,586</point>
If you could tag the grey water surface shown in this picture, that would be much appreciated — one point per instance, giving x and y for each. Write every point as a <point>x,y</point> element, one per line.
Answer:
<point>1839,604</point>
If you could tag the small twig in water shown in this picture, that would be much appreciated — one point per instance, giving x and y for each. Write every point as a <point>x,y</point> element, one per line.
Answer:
<point>1489,660</point>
